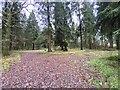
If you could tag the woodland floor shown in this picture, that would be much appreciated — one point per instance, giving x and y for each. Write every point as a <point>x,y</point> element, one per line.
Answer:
<point>39,70</point>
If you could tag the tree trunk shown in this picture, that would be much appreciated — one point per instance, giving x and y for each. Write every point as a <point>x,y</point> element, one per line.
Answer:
<point>102,40</point>
<point>33,46</point>
<point>118,46</point>
<point>111,40</point>
<point>85,38</point>
<point>110,36</point>
<point>94,42</point>
<point>49,31</point>
<point>10,47</point>
<point>80,27</point>
<point>118,42</point>
<point>49,43</point>
<point>62,48</point>
<point>24,45</point>
<point>90,44</point>
<point>66,48</point>
<point>6,44</point>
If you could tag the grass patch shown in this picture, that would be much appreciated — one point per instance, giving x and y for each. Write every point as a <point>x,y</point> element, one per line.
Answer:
<point>106,68</point>
<point>70,51</point>
<point>113,58</point>
<point>10,60</point>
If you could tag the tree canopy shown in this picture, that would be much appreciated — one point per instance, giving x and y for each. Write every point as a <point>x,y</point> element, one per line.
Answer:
<point>64,24</point>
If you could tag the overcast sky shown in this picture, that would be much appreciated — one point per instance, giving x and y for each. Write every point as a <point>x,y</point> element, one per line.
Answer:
<point>30,7</point>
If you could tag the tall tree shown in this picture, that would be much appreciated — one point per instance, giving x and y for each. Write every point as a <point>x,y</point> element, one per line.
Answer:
<point>23,22</point>
<point>46,11</point>
<point>32,30</point>
<point>10,21</point>
<point>77,8</point>
<point>88,21</point>
<point>105,22</point>
<point>62,30</point>
<point>80,25</point>
<point>108,20</point>
<point>49,25</point>
<point>10,15</point>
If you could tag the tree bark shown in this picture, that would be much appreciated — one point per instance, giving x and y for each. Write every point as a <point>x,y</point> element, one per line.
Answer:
<point>49,42</point>
<point>66,48</point>
<point>10,47</point>
<point>49,31</point>
<point>62,47</point>
<point>94,42</point>
<point>118,42</point>
<point>6,48</point>
<point>80,27</point>
<point>33,46</point>
<point>90,43</point>
<point>111,40</point>
<point>85,40</point>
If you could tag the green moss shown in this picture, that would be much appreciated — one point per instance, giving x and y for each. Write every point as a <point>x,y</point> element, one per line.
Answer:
<point>10,60</point>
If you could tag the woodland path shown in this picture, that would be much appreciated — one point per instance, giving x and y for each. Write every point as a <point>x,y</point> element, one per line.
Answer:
<point>48,70</point>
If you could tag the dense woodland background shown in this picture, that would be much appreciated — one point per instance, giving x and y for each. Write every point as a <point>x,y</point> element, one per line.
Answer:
<point>60,44</point>
<point>98,28</point>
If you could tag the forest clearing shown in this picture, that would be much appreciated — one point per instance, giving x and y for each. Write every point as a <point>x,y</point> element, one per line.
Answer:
<point>80,69</point>
<point>46,44</point>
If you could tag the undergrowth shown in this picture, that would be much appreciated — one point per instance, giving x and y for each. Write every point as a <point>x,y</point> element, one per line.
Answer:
<point>106,68</point>
<point>10,60</point>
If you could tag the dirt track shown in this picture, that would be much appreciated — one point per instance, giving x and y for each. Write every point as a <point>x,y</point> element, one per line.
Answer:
<point>44,70</point>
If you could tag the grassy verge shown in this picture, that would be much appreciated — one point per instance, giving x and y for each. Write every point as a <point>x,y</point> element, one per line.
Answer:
<point>10,60</point>
<point>105,69</point>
